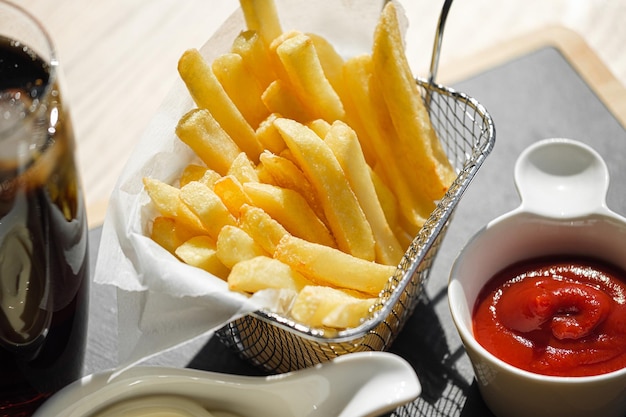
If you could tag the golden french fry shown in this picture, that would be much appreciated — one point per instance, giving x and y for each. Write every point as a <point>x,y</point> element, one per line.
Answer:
<point>288,155</point>
<point>332,267</point>
<point>389,204</point>
<point>280,98</point>
<point>431,169</point>
<point>414,208</point>
<point>234,245</point>
<point>302,65</point>
<point>291,210</point>
<point>243,169</point>
<point>170,234</point>
<point>249,45</point>
<point>261,16</point>
<point>164,196</point>
<point>208,93</point>
<point>209,178</point>
<point>387,199</point>
<point>353,118</point>
<point>242,88</point>
<point>167,200</point>
<point>330,60</point>
<point>349,314</point>
<point>269,136</point>
<point>343,142</point>
<point>279,68</point>
<point>265,231</point>
<point>284,173</point>
<point>192,172</point>
<point>198,129</point>
<point>207,206</point>
<point>318,306</point>
<point>199,251</point>
<point>231,192</point>
<point>319,126</point>
<point>263,272</point>
<point>341,208</point>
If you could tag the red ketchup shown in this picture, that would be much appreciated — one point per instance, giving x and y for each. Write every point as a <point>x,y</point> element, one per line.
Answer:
<point>562,317</point>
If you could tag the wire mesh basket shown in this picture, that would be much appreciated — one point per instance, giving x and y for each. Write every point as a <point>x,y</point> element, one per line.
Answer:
<point>278,344</point>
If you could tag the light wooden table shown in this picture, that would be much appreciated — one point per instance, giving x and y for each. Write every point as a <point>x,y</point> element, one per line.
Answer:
<point>119,57</point>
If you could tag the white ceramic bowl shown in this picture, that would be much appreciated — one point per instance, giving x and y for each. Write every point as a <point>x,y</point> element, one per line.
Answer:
<point>353,385</point>
<point>563,184</point>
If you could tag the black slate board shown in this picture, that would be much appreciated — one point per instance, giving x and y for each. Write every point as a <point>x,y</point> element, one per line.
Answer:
<point>536,96</point>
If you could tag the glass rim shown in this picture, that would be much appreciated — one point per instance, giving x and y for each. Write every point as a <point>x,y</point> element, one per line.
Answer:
<point>50,60</point>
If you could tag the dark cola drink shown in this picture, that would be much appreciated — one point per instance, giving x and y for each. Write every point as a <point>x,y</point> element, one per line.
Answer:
<point>44,275</point>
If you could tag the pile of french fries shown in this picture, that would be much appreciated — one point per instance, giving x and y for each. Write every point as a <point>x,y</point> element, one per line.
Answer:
<point>314,171</point>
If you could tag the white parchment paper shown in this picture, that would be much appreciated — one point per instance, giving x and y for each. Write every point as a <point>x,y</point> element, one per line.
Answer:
<point>163,302</point>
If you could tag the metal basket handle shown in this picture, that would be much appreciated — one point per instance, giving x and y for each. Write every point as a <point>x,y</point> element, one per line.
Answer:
<point>434,59</point>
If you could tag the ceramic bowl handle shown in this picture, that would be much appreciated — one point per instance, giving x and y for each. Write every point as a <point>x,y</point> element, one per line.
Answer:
<point>561,178</point>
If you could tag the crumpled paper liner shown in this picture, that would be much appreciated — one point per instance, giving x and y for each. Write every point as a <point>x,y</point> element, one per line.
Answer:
<point>162,302</point>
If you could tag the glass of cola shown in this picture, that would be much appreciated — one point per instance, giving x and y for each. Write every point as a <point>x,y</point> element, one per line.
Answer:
<point>44,266</point>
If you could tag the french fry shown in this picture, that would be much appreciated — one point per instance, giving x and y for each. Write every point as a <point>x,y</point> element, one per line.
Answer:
<point>243,169</point>
<point>242,88</point>
<point>353,118</point>
<point>343,142</point>
<point>288,155</point>
<point>168,233</point>
<point>209,178</point>
<point>302,65</point>
<point>192,172</point>
<point>262,273</point>
<point>209,208</point>
<point>203,134</point>
<point>164,196</point>
<point>279,98</point>
<point>279,68</point>
<point>389,204</point>
<point>269,137</point>
<point>234,245</point>
<point>342,210</point>
<point>232,194</point>
<point>265,231</point>
<point>167,200</point>
<point>331,62</point>
<point>199,251</point>
<point>417,138</point>
<point>291,210</point>
<point>319,126</point>
<point>319,306</point>
<point>349,314</point>
<point>377,123</point>
<point>249,45</point>
<point>261,16</point>
<point>208,93</point>
<point>331,267</point>
<point>284,173</point>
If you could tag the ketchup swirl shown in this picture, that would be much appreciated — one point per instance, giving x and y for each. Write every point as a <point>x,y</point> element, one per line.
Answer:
<point>564,317</point>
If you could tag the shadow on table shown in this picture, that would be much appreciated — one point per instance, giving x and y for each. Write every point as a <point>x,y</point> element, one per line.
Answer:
<point>422,343</point>
<point>445,392</point>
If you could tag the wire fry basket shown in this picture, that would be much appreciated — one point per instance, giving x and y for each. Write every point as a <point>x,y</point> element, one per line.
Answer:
<point>278,344</point>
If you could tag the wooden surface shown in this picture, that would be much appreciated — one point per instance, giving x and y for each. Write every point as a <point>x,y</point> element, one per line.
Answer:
<point>119,57</point>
